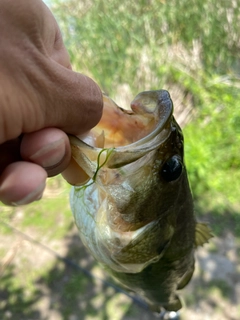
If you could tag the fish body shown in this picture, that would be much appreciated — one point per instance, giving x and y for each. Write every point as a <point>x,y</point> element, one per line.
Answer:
<point>135,213</point>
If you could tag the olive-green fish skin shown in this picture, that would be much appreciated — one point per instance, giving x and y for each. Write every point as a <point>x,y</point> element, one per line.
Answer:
<point>136,214</point>
<point>159,281</point>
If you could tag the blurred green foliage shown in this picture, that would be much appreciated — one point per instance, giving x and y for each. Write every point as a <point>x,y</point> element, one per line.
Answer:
<point>152,44</point>
<point>212,143</point>
<point>108,38</point>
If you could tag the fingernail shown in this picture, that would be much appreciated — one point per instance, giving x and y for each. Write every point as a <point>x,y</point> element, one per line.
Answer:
<point>33,196</point>
<point>50,155</point>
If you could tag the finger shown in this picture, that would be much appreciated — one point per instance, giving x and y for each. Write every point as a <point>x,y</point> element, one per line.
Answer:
<point>77,98</point>
<point>48,148</point>
<point>46,92</point>
<point>53,96</point>
<point>75,105</point>
<point>21,183</point>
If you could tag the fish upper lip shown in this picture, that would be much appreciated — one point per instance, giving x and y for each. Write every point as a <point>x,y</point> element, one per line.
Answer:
<point>165,113</point>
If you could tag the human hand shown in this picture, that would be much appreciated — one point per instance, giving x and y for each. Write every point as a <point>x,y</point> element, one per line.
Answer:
<point>41,99</point>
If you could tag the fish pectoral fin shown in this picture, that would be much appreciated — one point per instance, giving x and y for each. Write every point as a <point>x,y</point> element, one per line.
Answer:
<point>187,276</point>
<point>151,238</point>
<point>202,234</point>
<point>148,246</point>
<point>174,304</point>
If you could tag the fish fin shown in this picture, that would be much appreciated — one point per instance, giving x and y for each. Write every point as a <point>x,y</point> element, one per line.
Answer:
<point>202,234</point>
<point>174,304</point>
<point>133,252</point>
<point>161,309</point>
<point>186,277</point>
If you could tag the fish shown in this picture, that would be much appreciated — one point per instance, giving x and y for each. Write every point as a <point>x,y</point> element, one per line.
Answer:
<point>132,201</point>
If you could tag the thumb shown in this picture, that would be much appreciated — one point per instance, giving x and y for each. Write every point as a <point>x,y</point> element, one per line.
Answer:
<point>49,95</point>
<point>74,101</point>
<point>37,89</point>
<point>38,92</point>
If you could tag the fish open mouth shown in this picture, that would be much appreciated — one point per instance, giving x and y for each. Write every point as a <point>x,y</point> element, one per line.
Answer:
<point>118,127</point>
<point>129,133</point>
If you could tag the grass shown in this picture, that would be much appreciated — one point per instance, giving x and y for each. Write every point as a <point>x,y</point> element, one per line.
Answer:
<point>156,47</point>
<point>50,218</point>
<point>172,44</point>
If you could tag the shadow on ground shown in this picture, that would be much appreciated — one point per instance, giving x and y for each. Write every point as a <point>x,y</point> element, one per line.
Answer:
<point>74,287</point>
<point>65,290</point>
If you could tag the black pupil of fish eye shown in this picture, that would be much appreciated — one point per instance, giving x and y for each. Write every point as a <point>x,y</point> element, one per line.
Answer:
<point>172,169</point>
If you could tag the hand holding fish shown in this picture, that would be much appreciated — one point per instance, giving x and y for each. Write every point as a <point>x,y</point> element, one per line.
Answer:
<point>41,99</point>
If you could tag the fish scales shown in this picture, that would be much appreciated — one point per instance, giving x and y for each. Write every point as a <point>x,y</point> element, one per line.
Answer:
<point>135,213</point>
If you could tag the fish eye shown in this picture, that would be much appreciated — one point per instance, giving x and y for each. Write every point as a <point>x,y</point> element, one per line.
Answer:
<point>172,169</point>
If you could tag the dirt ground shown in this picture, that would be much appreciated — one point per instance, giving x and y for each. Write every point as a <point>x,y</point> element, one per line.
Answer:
<point>68,292</point>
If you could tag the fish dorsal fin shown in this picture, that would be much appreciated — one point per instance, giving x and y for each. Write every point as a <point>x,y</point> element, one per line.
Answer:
<point>202,234</point>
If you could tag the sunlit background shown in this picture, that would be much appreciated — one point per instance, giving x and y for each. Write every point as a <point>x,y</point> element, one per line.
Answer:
<point>192,49</point>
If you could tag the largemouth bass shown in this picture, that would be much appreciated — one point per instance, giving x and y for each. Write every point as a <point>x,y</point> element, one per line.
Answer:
<point>133,206</point>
